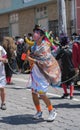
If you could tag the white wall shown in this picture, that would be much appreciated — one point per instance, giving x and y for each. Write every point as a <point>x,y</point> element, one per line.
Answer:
<point>5,4</point>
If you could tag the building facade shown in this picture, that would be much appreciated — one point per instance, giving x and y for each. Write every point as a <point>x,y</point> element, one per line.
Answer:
<point>18,17</point>
<point>78,16</point>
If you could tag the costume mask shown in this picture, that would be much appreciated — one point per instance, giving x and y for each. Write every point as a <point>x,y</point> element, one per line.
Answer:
<point>36,35</point>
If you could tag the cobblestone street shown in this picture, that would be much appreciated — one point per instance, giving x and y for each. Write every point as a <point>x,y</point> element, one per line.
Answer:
<point>20,109</point>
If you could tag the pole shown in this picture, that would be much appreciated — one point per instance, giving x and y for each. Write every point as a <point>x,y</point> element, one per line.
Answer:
<point>62,16</point>
<point>73,16</point>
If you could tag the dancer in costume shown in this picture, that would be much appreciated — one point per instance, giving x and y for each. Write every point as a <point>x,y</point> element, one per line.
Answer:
<point>45,72</point>
<point>65,57</point>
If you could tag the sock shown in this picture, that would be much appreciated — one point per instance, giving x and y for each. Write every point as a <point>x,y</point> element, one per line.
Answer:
<point>7,79</point>
<point>38,108</point>
<point>71,90</point>
<point>50,108</point>
<point>64,88</point>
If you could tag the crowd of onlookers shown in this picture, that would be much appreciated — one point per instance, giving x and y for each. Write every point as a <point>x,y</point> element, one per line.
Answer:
<point>17,48</point>
<point>66,50</point>
<point>19,61</point>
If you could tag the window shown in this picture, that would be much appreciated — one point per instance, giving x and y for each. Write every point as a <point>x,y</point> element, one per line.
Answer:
<point>14,18</point>
<point>4,32</point>
<point>41,12</point>
<point>37,9</point>
<point>53,26</point>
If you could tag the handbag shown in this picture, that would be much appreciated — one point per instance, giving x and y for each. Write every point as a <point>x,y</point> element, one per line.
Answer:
<point>23,56</point>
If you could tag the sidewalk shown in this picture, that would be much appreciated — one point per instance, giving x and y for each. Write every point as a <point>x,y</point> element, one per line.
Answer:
<point>20,109</point>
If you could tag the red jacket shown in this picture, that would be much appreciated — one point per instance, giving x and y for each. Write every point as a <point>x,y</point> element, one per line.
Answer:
<point>76,54</point>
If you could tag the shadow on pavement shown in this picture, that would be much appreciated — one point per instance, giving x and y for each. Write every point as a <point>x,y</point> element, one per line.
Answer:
<point>20,119</point>
<point>56,98</point>
<point>77,88</point>
<point>16,88</point>
<point>67,105</point>
<point>77,94</point>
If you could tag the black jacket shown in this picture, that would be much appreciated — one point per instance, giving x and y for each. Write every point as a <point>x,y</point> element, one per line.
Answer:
<point>67,68</point>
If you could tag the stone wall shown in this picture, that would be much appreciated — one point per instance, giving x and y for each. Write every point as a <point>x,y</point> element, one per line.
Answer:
<point>26,21</point>
<point>4,21</point>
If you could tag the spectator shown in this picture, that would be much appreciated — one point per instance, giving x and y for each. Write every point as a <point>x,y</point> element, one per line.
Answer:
<point>20,49</point>
<point>3,60</point>
<point>76,56</point>
<point>29,40</point>
<point>10,47</point>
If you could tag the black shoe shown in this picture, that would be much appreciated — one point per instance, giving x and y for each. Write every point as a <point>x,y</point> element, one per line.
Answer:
<point>65,96</point>
<point>71,97</point>
<point>3,106</point>
<point>11,83</point>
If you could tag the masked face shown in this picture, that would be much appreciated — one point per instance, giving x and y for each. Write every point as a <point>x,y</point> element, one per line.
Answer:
<point>36,36</point>
<point>31,38</point>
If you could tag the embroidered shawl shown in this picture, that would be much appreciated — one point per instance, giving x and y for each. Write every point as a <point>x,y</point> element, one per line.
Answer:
<point>46,63</point>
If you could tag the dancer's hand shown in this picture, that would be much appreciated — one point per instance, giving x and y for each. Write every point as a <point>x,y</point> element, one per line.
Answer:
<point>4,60</point>
<point>31,61</point>
<point>76,70</point>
